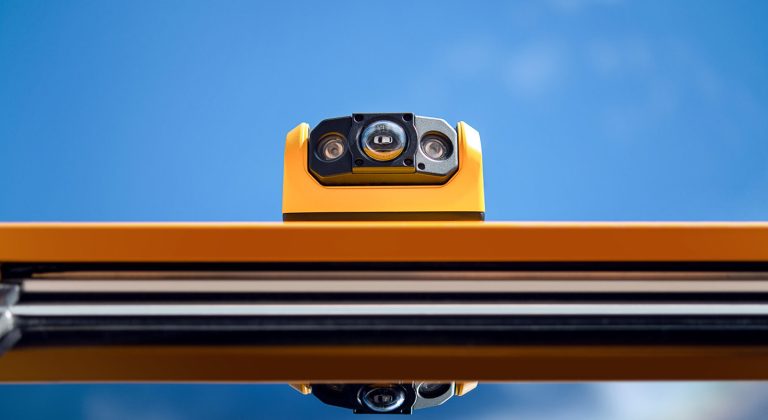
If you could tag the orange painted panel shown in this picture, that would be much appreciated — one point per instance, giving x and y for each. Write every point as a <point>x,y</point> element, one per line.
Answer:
<point>392,242</point>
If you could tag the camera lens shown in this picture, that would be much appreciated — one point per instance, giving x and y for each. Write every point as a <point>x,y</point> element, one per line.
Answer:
<point>383,399</point>
<point>383,140</point>
<point>433,390</point>
<point>331,147</point>
<point>435,147</point>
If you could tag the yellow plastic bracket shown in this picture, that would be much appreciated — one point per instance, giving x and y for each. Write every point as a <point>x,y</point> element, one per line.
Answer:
<point>463,193</point>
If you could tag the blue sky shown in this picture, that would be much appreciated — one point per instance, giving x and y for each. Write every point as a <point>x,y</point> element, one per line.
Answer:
<point>588,110</point>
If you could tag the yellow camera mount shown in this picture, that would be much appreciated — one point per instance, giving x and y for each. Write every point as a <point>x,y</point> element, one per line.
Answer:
<point>460,198</point>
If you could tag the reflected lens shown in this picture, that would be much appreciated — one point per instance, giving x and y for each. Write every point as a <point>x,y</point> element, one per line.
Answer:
<point>383,399</point>
<point>433,390</point>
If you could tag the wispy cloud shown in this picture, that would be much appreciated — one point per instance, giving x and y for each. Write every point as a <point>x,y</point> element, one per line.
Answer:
<point>471,57</point>
<point>619,57</point>
<point>571,6</point>
<point>532,70</point>
<point>103,406</point>
<point>640,401</point>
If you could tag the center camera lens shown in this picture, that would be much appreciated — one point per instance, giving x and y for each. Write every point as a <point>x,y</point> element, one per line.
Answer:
<point>383,399</point>
<point>383,140</point>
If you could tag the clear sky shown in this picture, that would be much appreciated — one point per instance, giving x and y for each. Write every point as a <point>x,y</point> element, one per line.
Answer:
<point>177,110</point>
<point>588,109</point>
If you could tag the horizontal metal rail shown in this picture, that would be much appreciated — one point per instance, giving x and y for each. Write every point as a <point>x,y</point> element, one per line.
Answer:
<point>404,309</point>
<point>362,285</point>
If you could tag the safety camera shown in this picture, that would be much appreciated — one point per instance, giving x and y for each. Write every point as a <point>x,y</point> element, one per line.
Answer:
<point>383,166</point>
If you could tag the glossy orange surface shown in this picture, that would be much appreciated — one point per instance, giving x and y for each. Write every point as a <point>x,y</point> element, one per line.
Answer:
<point>392,242</point>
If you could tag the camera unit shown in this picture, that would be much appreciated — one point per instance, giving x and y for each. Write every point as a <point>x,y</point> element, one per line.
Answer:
<point>383,166</point>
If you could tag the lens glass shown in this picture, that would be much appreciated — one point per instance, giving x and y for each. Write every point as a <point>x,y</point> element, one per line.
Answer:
<point>383,399</point>
<point>435,147</point>
<point>433,390</point>
<point>383,140</point>
<point>331,147</point>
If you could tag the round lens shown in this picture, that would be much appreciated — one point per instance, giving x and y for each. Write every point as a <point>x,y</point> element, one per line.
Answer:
<point>383,140</point>
<point>435,147</point>
<point>432,390</point>
<point>331,148</point>
<point>383,399</point>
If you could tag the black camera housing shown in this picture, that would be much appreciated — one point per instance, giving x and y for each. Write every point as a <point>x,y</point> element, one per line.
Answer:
<point>355,167</point>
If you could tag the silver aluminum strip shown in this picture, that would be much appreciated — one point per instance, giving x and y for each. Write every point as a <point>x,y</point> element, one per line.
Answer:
<point>402,275</point>
<point>408,309</point>
<point>393,286</point>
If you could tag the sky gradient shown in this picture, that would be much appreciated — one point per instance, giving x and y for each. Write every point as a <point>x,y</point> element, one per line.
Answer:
<point>588,110</point>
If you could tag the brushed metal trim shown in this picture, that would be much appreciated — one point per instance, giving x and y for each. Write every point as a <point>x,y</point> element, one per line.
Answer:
<point>362,285</point>
<point>405,309</point>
